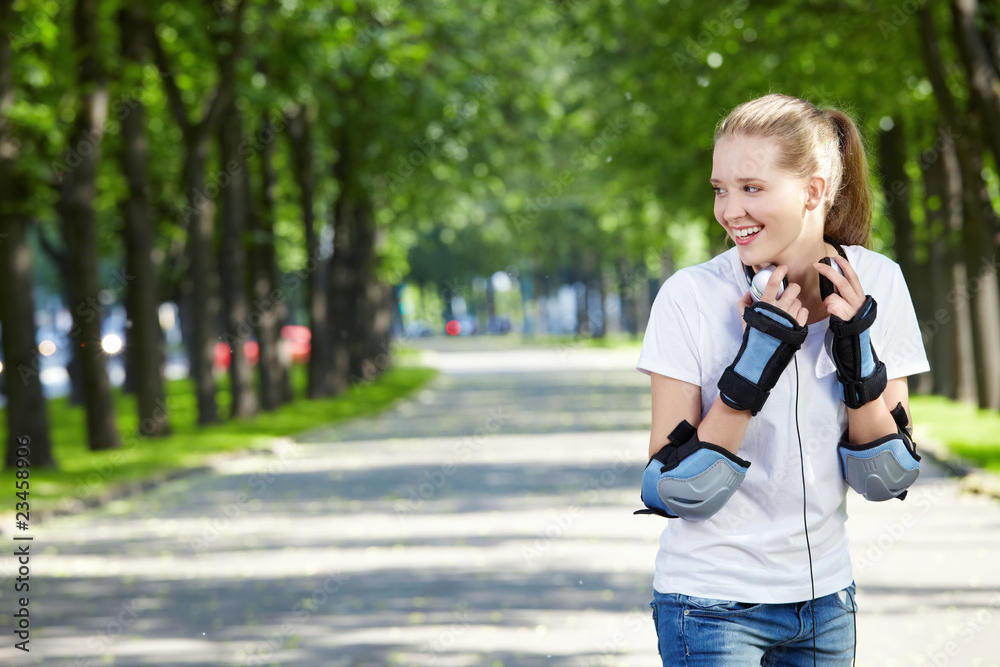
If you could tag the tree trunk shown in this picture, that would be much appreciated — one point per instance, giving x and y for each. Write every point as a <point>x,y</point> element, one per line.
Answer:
<point>542,299</point>
<point>896,187</point>
<point>491,305</point>
<point>300,133</point>
<point>145,345</point>
<point>359,303</point>
<point>627,291</point>
<point>978,228</point>
<point>270,257</point>
<point>201,284</point>
<point>76,208</point>
<point>939,328</point>
<point>265,308</point>
<point>959,313</point>
<point>602,294</point>
<point>27,410</point>
<point>341,274</point>
<point>274,385</point>
<point>981,274</point>
<point>589,276</point>
<point>582,290</point>
<point>60,259</point>
<point>396,328</point>
<point>984,83</point>
<point>232,261</point>
<point>338,283</point>
<point>529,304</point>
<point>378,358</point>
<point>362,299</point>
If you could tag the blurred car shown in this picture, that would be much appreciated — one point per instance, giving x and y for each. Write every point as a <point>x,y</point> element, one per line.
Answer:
<point>418,330</point>
<point>498,324</point>
<point>464,325</point>
<point>222,353</point>
<point>296,342</point>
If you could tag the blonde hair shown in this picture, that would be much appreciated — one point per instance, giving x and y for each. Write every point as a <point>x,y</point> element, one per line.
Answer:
<point>814,141</point>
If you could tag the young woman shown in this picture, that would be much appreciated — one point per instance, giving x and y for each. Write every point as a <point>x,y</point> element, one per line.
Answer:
<point>765,409</point>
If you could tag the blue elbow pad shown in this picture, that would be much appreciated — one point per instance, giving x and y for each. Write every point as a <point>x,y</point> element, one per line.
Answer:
<point>884,468</point>
<point>690,479</point>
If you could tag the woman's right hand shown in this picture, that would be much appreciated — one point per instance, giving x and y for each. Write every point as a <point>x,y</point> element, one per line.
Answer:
<point>774,329</point>
<point>788,302</point>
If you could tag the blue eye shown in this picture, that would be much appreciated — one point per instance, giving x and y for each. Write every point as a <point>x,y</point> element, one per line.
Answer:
<point>751,188</point>
<point>717,190</point>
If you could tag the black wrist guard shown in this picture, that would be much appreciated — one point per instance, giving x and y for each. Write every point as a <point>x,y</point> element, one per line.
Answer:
<point>771,339</point>
<point>862,376</point>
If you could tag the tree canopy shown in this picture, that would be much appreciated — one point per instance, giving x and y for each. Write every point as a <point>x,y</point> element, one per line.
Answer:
<point>374,143</point>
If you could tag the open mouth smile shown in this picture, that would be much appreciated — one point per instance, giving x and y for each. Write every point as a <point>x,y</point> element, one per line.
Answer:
<point>745,235</point>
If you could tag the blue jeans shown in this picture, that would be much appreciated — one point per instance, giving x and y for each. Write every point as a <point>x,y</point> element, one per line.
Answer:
<point>702,632</point>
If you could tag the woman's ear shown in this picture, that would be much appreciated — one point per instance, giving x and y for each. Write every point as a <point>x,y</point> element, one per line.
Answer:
<point>815,192</point>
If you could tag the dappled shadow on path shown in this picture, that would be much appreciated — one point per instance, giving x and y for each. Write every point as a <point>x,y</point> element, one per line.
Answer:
<point>520,562</point>
<point>439,533</point>
<point>486,521</point>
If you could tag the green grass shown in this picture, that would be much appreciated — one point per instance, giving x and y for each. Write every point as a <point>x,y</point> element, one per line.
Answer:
<point>84,476</point>
<point>967,431</point>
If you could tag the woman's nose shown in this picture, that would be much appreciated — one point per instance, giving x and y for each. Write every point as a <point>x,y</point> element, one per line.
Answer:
<point>733,210</point>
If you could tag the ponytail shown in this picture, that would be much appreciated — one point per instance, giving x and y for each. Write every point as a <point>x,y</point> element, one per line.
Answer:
<point>849,220</point>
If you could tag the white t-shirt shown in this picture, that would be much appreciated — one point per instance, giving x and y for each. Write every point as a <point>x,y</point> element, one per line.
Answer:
<point>754,548</point>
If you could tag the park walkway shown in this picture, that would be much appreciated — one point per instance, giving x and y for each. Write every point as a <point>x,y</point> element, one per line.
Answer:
<point>486,521</point>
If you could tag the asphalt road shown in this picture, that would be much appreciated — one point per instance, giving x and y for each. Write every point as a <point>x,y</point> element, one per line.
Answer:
<point>487,521</point>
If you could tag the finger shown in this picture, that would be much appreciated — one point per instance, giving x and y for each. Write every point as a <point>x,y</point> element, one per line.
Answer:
<point>771,290</point>
<point>850,274</point>
<point>802,317</point>
<point>840,282</point>
<point>791,292</point>
<point>836,310</point>
<point>830,300</point>
<point>745,302</point>
<point>835,305</point>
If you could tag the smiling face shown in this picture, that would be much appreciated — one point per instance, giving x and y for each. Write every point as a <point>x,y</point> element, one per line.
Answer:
<point>771,215</point>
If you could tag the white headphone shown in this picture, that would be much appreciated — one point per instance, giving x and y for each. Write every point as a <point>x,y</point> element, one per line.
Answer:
<point>757,280</point>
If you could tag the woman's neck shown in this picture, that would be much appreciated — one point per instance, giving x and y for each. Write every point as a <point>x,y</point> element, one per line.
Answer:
<point>802,272</point>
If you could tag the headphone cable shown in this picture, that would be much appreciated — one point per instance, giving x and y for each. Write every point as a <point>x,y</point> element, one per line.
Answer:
<point>805,523</point>
<point>854,618</point>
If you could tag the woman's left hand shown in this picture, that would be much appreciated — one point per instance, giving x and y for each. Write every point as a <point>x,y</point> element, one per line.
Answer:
<point>850,296</point>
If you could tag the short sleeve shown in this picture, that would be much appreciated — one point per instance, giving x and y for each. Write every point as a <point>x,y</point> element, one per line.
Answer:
<point>902,350</point>
<point>670,344</point>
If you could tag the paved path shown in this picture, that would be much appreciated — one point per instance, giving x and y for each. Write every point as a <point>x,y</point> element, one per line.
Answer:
<point>485,522</point>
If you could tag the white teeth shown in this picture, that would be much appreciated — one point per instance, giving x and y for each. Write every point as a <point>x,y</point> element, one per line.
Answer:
<point>743,233</point>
